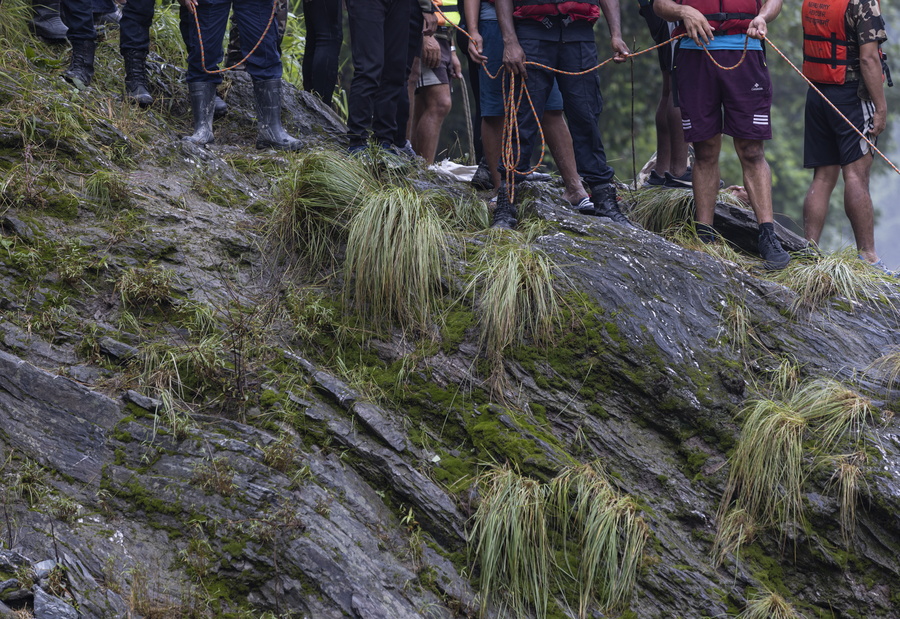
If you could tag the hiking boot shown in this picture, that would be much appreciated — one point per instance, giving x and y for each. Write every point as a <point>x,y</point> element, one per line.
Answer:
<point>881,267</point>
<point>505,215</point>
<point>770,249</point>
<point>268,112</point>
<point>655,180</point>
<point>685,181</point>
<point>81,68</point>
<point>136,84</point>
<point>605,204</point>
<point>706,233</point>
<point>46,22</point>
<point>537,177</point>
<point>407,151</point>
<point>203,100</point>
<point>481,180</point>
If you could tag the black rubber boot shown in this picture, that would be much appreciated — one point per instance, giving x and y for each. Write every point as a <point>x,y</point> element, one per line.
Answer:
<point>203,103</point>
<point>221,108</point>
<point>81,69</point>
<point>136,85</point>
<point>268,111</point>
<point>505,214</point>
<point>46,22</point>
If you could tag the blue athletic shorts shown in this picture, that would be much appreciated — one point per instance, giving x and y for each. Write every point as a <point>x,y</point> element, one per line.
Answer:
<point>492,90</point>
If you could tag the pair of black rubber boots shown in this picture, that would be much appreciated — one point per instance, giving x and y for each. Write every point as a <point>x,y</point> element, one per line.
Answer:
<point>270,134</point>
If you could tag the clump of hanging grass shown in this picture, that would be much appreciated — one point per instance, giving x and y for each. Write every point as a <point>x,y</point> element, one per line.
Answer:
<point>14,16</point>
<point>466,212</point>
<point>665,210</point>
<point>659,210</point>
<point>848,473</point>
<point>736,323</point>
<point>109,189</point>
<point>785,377</point>
<point>313,201</point>
<point>889,366</point>
<point>839,274</point>
<point>396,255</point>
<point>608,532</point>
<point>769,605</point>
<point>767,471</point>
<point>514,285</point>
<point>736,528</point>
<point>834,412</point>
<point>511,545</point>
<point>772,459</point>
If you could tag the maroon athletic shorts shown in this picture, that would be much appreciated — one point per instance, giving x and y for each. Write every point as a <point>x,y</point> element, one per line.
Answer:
<point>714,101</point>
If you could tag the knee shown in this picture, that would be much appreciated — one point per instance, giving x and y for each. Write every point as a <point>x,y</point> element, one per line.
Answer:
<point>752,153</point>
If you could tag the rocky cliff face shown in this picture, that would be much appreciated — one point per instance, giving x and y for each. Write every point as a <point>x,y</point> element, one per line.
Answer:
<point>189,429</point>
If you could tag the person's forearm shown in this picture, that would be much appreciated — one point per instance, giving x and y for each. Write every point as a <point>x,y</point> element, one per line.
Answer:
<point>613,17</point>
<point>770,9</point>
<point>668,9</point>
<point>505,20</point>
<point>472,9</point>
<point>870,67</point>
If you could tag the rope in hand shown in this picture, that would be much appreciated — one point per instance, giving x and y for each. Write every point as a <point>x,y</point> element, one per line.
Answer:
<point>192,7</point>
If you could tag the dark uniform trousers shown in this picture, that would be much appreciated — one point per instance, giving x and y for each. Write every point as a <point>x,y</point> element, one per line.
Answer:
<point>251,17</point>
<point>582,102</point>
<point>379,36</point>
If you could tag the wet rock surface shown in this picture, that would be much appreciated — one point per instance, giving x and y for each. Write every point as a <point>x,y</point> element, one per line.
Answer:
<point>194,509</point>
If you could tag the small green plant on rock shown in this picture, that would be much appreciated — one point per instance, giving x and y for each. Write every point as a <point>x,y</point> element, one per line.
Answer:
<point>109,189</point>
<point>142,287</point>
<point>768,605</point>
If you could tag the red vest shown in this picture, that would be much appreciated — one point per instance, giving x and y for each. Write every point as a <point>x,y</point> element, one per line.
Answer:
<point>588,10</point>
<point>825,41</point>
<point>725,16</point>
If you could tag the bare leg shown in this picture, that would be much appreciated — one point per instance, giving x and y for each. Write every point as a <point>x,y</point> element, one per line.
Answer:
<point>815,205</point>
<point>556,131</point>
<point>858,206</point>
<point>706,178</point>
<point>678,147</point>
<point>434,103</point>
<point>757,177</point>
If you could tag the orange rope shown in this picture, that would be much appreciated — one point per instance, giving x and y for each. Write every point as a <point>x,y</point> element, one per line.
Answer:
<point>193,10</point>
<point>847,120</point>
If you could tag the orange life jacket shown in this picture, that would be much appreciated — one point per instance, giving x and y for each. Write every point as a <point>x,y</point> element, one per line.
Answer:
<point>725,16</point>
<point>825,41</point>
<point>588,10</point>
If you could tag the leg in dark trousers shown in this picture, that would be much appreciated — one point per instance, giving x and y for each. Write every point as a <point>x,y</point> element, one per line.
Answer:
<point>324,35</point>
<point>379,31</point>
<point>413,50</point>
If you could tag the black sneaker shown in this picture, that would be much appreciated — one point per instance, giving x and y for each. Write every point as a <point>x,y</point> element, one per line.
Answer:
<point>770,249</point>
<point>706,233</point>
<point>685,181</point>
<point>655,180</point>
<point>481,180</point>
<point>505,215</point>
<point>605,204</point>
